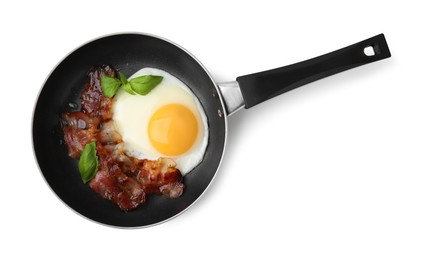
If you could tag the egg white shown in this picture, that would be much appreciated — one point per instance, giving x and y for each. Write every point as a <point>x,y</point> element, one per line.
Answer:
<point>132,113</point>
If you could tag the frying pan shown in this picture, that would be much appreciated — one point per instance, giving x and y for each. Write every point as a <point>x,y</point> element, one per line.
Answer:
<point>131,52</point>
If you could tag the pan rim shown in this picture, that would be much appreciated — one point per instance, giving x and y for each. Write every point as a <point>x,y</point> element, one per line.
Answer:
<point>219,95</point>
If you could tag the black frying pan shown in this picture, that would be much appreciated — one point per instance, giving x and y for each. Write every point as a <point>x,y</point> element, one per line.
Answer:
<point>131,52</point>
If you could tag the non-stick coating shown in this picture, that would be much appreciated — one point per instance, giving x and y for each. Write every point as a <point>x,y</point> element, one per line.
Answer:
<point>127,53</point>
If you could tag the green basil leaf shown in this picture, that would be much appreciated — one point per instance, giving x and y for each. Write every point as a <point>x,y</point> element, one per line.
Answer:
<point>123,78</point>
<point>144,84</point>
<point>88,162</point>
<point>127,87</point>
<point>110,85</point>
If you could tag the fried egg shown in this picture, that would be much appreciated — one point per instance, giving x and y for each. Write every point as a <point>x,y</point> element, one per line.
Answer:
<point>168,122</point>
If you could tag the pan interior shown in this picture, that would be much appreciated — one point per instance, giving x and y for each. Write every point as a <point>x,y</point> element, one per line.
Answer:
<point>127,53</point>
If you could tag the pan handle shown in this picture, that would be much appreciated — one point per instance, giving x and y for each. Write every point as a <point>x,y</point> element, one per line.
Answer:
<point>261,86</point>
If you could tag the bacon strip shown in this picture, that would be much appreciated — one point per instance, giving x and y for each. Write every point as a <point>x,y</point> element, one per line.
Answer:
<point>112,184</point>
<point>93,102</point>
<point>79,130</point>
<point>156,174</point>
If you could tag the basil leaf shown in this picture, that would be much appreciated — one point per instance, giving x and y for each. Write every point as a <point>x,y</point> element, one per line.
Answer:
<point>123,78</point>
<point>127,87</point>
<point>110,85</point>
<point>144,84</point>
<point>88,162</point>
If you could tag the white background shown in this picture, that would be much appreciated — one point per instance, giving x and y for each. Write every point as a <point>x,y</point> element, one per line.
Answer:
<point>332,170</point>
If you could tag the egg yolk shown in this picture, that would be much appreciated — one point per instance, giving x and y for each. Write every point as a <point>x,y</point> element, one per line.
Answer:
<point>173,129</point>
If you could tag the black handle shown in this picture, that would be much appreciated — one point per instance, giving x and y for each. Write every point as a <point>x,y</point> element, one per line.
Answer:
<point>261,86</point>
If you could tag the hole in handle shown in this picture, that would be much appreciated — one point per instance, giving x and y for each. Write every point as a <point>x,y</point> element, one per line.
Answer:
<point>369,51</point>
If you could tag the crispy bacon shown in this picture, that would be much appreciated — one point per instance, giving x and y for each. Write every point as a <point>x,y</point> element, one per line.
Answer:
<point>156,174</point>
<point>172,190</point>
<point>112,184</point>
<point>108,134</point>
<point>159,177</point>
<point>122,179</point>
<point>79,130</point>
<point>93,102</point>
